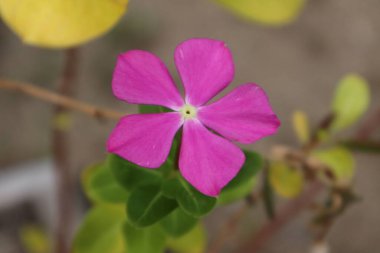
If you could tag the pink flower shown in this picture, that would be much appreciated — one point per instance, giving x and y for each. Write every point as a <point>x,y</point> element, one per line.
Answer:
<point>208,159</point>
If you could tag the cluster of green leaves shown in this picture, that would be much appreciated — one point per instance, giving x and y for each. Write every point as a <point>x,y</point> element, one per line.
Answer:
<point>136,209</point>
<point>350,102</point>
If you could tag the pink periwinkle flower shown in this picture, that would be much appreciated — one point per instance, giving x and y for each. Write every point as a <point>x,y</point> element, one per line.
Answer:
<point>208,160</point>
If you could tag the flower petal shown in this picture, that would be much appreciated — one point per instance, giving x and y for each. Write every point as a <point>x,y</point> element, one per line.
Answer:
<point>206,67</point>
<point>244,115</point>
<point>145,139</point>
<point>208,161</point>
<point>141,78</point>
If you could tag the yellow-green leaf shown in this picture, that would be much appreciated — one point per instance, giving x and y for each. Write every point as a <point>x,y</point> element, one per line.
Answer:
<point>270,12</point>
<point>34,239</point>
<point>351,101</point>
<point>301,126</point>
<point>101,231</point>
<point>286,181</point>
<point>61,23</point>
<point>100,185</point>
<point>341,162</point>
<point>192,242</point>
<point>146,240</point>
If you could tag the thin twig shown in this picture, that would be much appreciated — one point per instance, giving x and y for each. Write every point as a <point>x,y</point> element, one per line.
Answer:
<point>324,125</point>
<point>64,177</point>
<point>58,99</point>
<point>367,146</point>
<point>228,228</point>
<point>63,102</point>
<point>369,126</point>
<point>284,215</point>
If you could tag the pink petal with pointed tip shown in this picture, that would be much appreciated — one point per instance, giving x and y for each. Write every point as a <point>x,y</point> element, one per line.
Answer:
<point>243,115</point>
<point>205,66</point>
<point>207,161</point>
<point>141,78</point>
<point>145,139</point>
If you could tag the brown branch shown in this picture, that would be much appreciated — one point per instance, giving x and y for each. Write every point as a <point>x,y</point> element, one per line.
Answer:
<point>369,126</point>
<point>368,146</point>
<point>229,227</point>
<point>64,178</point>
<point>291,209</point>
<point>285,215</point>
<point>58,99</point>
<point>324,125</point>
<point>296,158</point>
<point>63,103</point>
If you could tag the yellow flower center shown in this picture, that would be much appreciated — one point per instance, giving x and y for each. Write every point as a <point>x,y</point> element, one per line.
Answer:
<point>188,111</point>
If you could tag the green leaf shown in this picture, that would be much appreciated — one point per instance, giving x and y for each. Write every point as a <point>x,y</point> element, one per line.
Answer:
<point>269,12</point>
<point>101,231</point>
<point>350,102</point>
<point>286,181</point>
<point>147,205</point>
<point>171,163</point>
<point>100,185</point>
<point>268,196</point>
<point>253,164</point>
<point>243,183</point>
<point>340,161</point>
<point>301,126</point>
<point>130,175</point>
<point>237,193</point>
<point>192,242</point>
<point>178,223</point>
<point>152,109</point>
<point>190,200</point>
<point>144,240</point>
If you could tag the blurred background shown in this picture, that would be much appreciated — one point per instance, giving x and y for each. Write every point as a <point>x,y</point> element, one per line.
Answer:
<point>298,64</point>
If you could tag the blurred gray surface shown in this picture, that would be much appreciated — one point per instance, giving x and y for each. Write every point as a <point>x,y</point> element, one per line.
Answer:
<point>298,65</point>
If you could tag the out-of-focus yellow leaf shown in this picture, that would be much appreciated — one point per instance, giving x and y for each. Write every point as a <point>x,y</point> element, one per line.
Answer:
<point>34,239</point>
<point>61,23</point>
<point>351,101</point>
<point>341,162</point>
<point>286,181</point>
<point>63,121</point>
<point>301,126</point>
<point>270,12</point>
<point>192,242</point>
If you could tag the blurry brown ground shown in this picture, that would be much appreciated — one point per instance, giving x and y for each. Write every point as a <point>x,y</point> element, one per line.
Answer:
<point>298,65</point>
